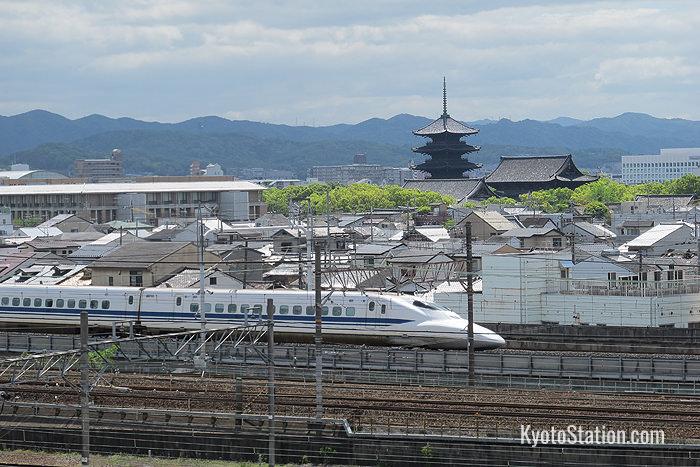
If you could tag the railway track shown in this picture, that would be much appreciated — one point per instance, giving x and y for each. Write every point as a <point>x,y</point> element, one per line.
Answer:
<point>378,405</point>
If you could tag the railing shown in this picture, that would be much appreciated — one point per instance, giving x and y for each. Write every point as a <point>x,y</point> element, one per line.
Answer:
<point>630,288</point>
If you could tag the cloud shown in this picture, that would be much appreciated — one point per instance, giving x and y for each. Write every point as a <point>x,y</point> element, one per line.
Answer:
<point>331,62</point>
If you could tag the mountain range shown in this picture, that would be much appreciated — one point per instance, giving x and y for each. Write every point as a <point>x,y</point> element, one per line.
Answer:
<point>49,141</point>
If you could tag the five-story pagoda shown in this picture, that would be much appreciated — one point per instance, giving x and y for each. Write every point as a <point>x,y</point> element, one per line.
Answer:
<point>446,146</point>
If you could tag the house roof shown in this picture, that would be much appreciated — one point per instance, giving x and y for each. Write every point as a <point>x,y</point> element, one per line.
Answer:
<point>534,221</point>
<point>57,219</point>
<point>413,255</point>
<point>376,248</point>
<point>654,235</point>
<point>666,202</point>
<point>595,230</point>
<point>526,232</point>
<point>445,124</point>
<point>537,169</point>
<point>458,188</point>
<point>139,255</point>
<point>189,277</point>
<point>92,250</point>
<point>433,233</point>
<point>638,223</point>
<point>495,219</point>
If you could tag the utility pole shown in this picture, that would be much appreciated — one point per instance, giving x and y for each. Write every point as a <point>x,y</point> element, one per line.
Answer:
<point>245,264</point>
<point>470,302</point>
<point>318,340</point>
<point>203,316</point>
<point>271,380</point>
<point>639,253</point>
<point>84,387</point>
<point>309,245</point>
<point>697,240</point>
<point>328,228</point>
<point>371,224</point>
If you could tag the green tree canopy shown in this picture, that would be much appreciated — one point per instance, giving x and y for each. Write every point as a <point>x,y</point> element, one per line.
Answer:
<point>351,198</point>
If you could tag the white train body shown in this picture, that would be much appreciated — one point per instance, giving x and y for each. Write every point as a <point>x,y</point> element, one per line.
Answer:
<point>351,317</point>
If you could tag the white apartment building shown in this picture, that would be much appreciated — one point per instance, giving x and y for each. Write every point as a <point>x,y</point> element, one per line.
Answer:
<point>668,165</point>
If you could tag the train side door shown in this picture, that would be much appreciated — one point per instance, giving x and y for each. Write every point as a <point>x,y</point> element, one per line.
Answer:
<point>178,306</point>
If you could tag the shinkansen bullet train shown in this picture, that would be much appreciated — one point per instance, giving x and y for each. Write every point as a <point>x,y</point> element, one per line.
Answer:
<point>350,317</point>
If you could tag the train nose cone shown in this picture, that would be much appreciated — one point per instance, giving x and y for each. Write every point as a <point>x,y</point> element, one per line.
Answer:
<point>492,341</point>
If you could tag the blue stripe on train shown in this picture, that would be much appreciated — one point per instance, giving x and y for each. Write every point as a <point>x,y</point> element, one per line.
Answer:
<point>178,316</point>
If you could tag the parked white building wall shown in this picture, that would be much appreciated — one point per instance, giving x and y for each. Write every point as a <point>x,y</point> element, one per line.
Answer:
<point>668,165</point>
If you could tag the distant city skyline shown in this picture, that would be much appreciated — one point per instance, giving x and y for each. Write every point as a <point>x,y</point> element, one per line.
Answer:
<point>304,62</point>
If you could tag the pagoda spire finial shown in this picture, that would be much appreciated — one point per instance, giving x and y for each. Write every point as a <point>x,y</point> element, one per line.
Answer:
<point>444,96</point>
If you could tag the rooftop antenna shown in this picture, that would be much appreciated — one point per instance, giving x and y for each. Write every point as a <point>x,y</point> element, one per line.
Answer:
<point>444,97</point>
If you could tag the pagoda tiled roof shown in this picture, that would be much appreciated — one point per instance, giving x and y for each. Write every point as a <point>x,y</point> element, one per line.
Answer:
<point>445,124</point>
<point>537,169</point>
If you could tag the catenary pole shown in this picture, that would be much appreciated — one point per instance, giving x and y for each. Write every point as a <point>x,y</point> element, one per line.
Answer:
<point>84,388</point>
<point>470,302</point>
<point>318,340</point>
<point>271,380</point>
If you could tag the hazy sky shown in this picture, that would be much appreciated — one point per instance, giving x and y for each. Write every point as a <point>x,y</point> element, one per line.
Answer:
<point>320,62</point>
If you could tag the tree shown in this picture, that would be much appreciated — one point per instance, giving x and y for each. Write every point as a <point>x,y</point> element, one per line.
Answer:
<point>604,190</point>
<point>351,198</point>
<point>598,210</point>
<point>554,200</point>
<point>688,184</point>
<point>505,201</point>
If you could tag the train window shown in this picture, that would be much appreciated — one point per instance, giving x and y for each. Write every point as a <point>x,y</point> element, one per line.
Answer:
<point>337,311</point>
<point>71,303</point>
<point>231,307</point>
<point>324,310</point>
<point>82,304</point>
<point>383,308</point>
<point>284,309</point>
<point>27,302</point>
<point>60,303</point>
<point>350,311</point>
<point>257,309</point>
<point>244,309</point>
<point>371,306</point>
<point>296,309</point>
<point>310,310</point>
<point>131,299</point>
<point>105,304</point>
<point>93,304</point>
<point>48,303</point>
<point>178,301</point>
<point>5,300</point>
<point>207,308</point>
<point>15,301</point>
<point>219,308</point>
<point>194,307</point>
<point>37,302</point>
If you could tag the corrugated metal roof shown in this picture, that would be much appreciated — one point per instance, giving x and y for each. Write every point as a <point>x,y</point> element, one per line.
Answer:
<point>655,234</point>
<point>109,188</point>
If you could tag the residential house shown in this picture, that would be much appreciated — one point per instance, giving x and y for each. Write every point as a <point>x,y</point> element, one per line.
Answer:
<point>535,238</point>
<point>214,278</point>
<point>484,225</point>
<point>373,255</point>
<point>45,274</point>
<point>662,238</point>
<point>146,264</point>
<point>68,223</point>
<point>419,266</point>
<point>633,228</point>
<point>586,232</point>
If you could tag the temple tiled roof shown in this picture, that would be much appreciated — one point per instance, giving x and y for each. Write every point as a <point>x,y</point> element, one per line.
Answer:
<point>458,188</point>
<point>537,169</point>
<point>445,124</point>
